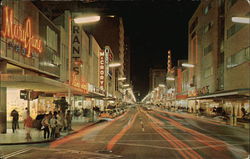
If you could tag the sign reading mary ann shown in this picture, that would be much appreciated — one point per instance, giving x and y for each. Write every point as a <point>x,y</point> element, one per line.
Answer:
<point>20,33</point>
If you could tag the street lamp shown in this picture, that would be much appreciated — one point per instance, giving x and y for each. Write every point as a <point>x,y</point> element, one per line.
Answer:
<point>87,19</point>
<point>187,65</point>
<point>125,85</point>
<point>122,78</point>
<point>170,78</point>
<point>161,85</point>
<point>115,64</point>
<point>243,20</point>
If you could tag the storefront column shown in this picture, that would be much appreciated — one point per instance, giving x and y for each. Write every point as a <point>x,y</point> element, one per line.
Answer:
<point>233,116</point>
<point>3,100</point>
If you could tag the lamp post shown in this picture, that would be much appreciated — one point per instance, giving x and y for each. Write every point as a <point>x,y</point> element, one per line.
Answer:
<point>242,20</point>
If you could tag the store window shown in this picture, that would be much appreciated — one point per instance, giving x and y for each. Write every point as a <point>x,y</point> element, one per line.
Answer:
<point>238,58</point>
<point>52,39</point>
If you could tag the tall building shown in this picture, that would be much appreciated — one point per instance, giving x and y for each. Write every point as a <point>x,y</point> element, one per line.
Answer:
<point>127,60</point>
<point>110,31</point>
<point>156,76</point>
<point>219,51</point>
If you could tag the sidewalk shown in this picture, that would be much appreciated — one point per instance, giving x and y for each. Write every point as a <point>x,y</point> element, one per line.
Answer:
<point>18,137</point>
<point>216,119</point>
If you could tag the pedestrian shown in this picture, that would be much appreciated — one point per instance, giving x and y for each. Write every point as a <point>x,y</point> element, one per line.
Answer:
<point>15,118</point>
<point>244,112</point>
<point>45,124</point>
<point>69,120</point>
<point>25,114</point>
<point>59,121</point>
<point>28,125</point>
<point>53,123</point>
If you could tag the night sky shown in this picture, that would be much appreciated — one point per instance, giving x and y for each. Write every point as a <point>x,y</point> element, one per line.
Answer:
<point>154,28</point>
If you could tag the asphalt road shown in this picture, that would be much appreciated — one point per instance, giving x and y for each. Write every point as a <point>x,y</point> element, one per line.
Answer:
<point>140,134</point>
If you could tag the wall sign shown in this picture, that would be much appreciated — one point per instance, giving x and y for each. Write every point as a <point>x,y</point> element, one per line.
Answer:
<point>76,48</point>
<point>101,69</point>
<point>20,33</point>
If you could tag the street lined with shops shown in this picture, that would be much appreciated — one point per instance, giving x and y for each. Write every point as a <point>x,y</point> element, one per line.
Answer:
<point>133,134</point>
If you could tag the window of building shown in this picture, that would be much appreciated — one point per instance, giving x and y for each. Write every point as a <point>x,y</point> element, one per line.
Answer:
<point>231,3</point>
<point>234,29</point>
<point>208,27</point>
<point>208,7</point>
<point>208,72</point>
<point>238,58</point>
<point>52,39</point>
<point>193,25</point>
<point>208,49</point>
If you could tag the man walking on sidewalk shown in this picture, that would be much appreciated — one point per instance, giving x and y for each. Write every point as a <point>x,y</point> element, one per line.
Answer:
<point>15,117</point>
<point>69,120</point>
<point>45,123</point>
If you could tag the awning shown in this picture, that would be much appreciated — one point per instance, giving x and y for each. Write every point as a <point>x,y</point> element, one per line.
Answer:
<point>37,83</point>
<point>231,93</point>
<point>94,95</point>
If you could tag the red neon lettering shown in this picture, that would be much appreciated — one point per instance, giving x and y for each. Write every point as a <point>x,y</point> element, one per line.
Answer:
<point>20,33</point>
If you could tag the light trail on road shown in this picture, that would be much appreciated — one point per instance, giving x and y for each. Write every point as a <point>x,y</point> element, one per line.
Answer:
<point>118,136</point>
<point>83,132</point>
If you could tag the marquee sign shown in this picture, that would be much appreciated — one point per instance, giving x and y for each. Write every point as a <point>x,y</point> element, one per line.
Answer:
<point>20,33</point>
<point>101,69</point>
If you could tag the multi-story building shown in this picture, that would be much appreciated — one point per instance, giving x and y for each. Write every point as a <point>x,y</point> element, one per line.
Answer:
<point>219,51</point>
<point>30,63</point>
<point>181,85</point>
<point>156,77</point>
<point>57,58</point>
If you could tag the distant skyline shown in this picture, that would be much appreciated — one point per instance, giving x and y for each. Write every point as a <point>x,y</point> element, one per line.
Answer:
<point>154,28</point>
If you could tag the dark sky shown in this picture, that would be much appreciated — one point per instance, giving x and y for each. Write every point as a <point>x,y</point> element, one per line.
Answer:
<point>154,28</point>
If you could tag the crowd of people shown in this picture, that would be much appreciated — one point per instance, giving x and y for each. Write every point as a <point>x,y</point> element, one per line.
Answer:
<point>51,124</point>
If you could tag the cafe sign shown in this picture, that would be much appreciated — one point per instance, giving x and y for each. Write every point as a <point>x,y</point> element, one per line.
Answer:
<point>20,33</point>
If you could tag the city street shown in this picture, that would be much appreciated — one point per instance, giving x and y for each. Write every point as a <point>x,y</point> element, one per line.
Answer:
<point>142,134</point>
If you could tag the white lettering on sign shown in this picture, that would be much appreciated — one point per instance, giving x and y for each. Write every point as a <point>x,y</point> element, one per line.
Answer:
<point>101,69</point>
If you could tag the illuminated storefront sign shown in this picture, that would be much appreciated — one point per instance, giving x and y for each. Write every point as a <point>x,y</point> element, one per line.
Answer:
<point>19,33</point>
<point>101,69</point>
<point>107,52</point>
<point>77,80</point>
<point>76,49</point>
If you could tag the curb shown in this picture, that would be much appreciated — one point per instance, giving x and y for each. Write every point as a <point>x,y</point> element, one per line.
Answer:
<point>51,140</point>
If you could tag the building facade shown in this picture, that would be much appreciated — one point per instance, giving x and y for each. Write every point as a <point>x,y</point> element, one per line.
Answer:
<point>156,77</point>
<point>49,60</point>
<point>219,51</point>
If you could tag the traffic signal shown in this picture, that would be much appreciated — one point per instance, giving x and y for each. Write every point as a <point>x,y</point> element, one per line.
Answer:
<point>24,94</point>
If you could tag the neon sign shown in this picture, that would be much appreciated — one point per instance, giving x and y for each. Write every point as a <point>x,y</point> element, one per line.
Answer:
<point>102,69</point>
<point>19,33</point>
